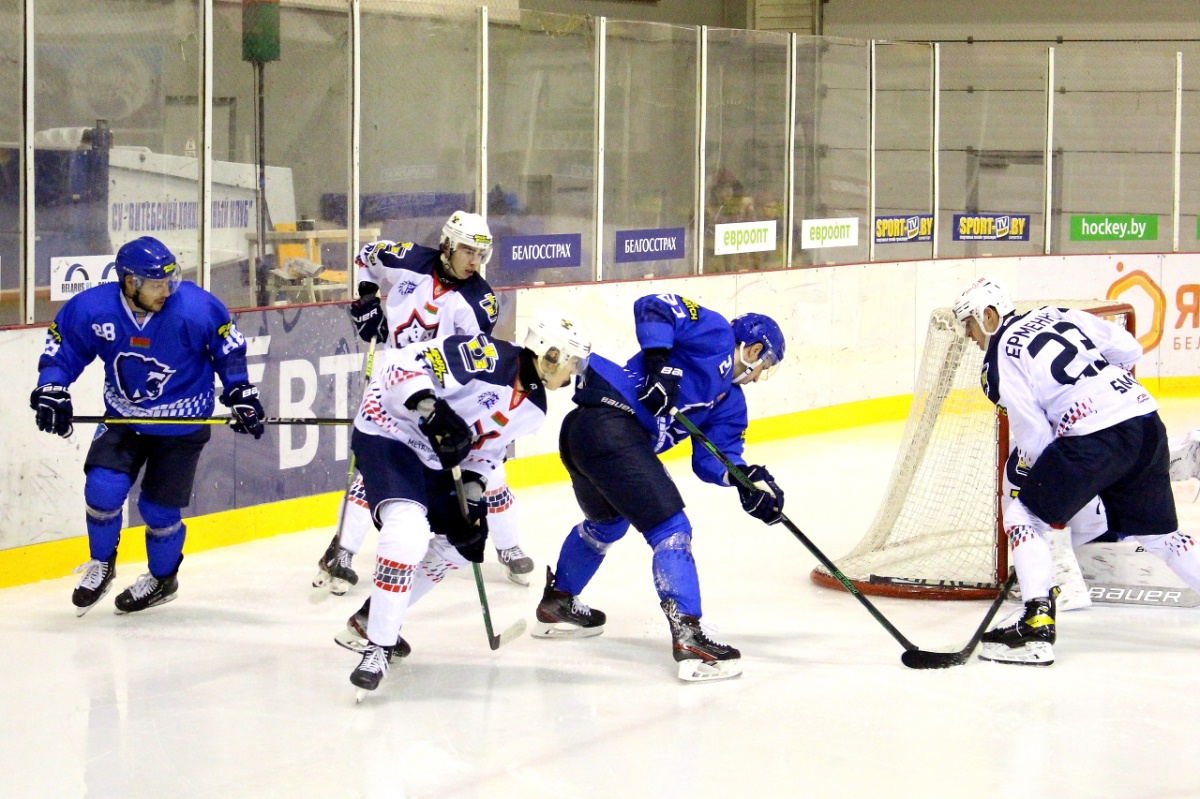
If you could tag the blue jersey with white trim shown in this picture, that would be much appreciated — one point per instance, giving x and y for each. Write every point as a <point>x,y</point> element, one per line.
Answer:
<point>701,344</point>
<point>158,366</point>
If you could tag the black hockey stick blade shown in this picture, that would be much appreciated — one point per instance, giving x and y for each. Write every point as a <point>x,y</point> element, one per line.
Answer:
<point>920,659</point>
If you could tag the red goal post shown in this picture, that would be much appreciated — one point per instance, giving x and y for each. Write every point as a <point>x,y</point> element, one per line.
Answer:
<point>939,533</point>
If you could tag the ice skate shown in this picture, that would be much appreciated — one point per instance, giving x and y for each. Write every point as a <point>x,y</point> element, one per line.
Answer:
<point>95,583</point>
<point>517,565</point>
<point>354,636</point>
<point>335,570</point>
<point>147,592</point>
<point>560,615</point>
<point>371,670</point>
<point>1029,640</point>
<point>699,657</point>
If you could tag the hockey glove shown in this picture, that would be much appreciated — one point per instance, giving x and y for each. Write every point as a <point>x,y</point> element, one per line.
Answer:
<point>474,486</point>
<point>248,412</point>
<point>369,319</point>
<point>764,504</point>
<point>448,434</point>
<point>662,383</point>
<point>54,411</point>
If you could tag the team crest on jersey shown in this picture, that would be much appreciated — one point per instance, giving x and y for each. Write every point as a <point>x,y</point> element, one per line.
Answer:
<point>405,288</point>
<point>437,364</point>
<point>490,306</point>
<point>488,398</point>
<point>141,378</point>
<point>479,354</point>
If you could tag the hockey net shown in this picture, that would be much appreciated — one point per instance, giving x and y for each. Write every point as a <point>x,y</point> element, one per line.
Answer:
<point>938,532</point>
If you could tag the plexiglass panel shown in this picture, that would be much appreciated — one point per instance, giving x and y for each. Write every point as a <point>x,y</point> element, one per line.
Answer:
<point>11,46</point>
<point>993,141</point>
<point>650,145</point>
<point>833,79</point>
<point>1189,198</point>
<point>299,78</point>
<point>541,149</point>
<point>745,150</point>
<point>1114,131</point>
<point>117,135</point>
<point>420,136</point>
<point>903,228</point>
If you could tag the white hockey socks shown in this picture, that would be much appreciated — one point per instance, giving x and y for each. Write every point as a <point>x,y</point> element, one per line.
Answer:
<point>441,559</point>
<point>1030,550</point>
<point>1178,551</point>
<point>403,541</point>
<point>502,518</point>
<point>357,522</point>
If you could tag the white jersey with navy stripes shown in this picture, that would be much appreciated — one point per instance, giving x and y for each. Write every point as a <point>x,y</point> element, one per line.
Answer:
<point>1062,372</point>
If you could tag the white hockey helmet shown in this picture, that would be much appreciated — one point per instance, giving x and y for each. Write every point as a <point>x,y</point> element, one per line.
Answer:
<point>558,345</point>
<point>470,229</point>
<point>984,293</point>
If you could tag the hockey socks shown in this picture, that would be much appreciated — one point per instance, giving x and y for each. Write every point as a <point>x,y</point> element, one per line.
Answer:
<point>104,493</point>
<point>1178,551</point>
<point>583,551</point>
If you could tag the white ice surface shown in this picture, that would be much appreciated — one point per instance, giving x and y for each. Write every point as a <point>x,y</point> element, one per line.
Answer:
<point>237,690</point>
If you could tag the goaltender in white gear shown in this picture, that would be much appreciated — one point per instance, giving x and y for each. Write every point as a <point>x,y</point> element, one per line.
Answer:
<point>428,293</point>
<point>1086,427</point>
<point>491,390</point>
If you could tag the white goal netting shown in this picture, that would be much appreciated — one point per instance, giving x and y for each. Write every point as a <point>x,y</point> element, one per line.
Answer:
<point>936,534</point>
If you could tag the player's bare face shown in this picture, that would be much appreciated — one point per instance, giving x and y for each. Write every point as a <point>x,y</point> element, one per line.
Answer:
<point>975,332</point>
<point>150,296</point>
<point>740,367</point>
<point>464,262</point>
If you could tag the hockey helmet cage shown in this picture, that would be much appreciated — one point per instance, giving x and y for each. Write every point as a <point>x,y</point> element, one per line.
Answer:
<point>756,328</point>
<point>470,229</point>
<point>557,343</point>
<point>147,258</point>
<point>984,293</point>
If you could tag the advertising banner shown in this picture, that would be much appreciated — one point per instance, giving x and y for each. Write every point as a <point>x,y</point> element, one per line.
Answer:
<point>69,276</point>
<point>659,244</point>
<point>817,233</point>
<point>1114,227</point>
<point>541,252</point>
<point>901,229</point>
<point>736,237</point>
<point>991,227</point>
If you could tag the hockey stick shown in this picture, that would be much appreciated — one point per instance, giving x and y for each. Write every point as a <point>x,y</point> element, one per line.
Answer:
<point>515,629</point>
<point>920,659</point>
<point>741,477</point>
<point>317,420</point>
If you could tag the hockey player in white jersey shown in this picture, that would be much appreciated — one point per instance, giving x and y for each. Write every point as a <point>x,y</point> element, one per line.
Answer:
<point>429,292</point>
<point>161,341</point>
<point>1087,428</point>
<point>455,401</point>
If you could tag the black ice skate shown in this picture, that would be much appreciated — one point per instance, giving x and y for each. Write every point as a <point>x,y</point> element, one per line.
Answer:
<point>147,592</point>
<point>354,636</point>
<point>372,669</point>
<point>96,582</point>
<point>560,615</point>
<point>335,571</point>
<point>1029,640</point>
<point>516,564</point>
<point>699,657</point>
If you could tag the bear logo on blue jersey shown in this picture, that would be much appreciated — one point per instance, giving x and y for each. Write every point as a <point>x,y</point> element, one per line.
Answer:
<point>140,378</point>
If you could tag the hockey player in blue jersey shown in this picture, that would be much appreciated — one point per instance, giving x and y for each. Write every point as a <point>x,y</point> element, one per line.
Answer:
<point>694,361</point>
<point>161,341</point>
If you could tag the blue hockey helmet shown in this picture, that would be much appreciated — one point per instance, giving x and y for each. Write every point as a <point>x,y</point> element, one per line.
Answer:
<point>147,258</point>
<point>756,328</point>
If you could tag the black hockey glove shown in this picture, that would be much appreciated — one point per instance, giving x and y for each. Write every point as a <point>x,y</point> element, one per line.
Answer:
<point>764,504</point>
<point>662,383</point>
<point>54,411</point>
<point>369,319</point>
<point>450,437</point>
<point>248,412</point>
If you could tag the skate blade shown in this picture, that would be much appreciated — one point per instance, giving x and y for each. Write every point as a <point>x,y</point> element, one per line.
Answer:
<point>159,603</point>
<point>79,612</point>
<point>1033,653</point>
<point>338,586</point>
<point>704,671</point>
<point>519,579</point>
<point>350,640</point>
<point>557,629</point>
<point>359,695</point>
<point>321,580</point>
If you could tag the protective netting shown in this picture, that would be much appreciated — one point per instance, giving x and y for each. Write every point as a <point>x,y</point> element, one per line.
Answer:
<point>935,533</point>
